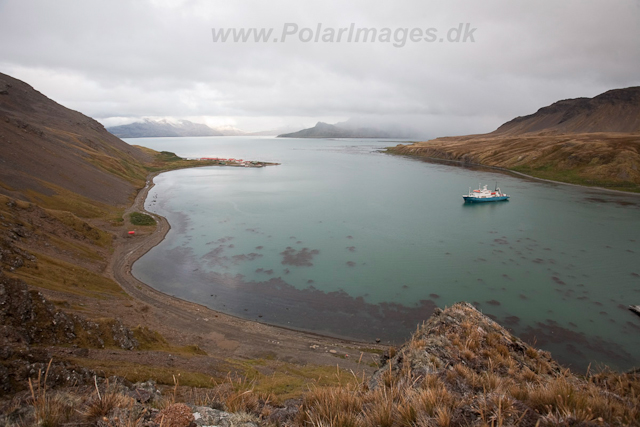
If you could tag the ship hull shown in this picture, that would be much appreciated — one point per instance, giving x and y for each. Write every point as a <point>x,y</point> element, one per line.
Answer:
<point>468,199</point>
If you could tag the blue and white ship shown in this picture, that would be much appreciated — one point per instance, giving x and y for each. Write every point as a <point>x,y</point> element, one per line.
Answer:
<point>484,195</point>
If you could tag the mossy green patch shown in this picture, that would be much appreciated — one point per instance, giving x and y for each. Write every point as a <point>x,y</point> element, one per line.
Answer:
<point>151,340</point>
<point>168,156</point>
<point>287,380</point>
<point>138,218</point>
<point>136,372</point>
<point>166,160</point>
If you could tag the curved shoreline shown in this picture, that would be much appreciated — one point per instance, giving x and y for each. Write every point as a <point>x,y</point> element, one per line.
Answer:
<point>231,335</point>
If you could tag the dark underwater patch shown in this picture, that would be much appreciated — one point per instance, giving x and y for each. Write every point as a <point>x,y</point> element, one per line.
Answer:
<point>301,258</point>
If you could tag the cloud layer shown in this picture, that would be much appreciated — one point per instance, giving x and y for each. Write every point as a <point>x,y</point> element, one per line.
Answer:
<point>118,61</point>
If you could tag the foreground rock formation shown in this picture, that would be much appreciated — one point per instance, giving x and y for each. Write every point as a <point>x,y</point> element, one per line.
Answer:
<point>460,368</point>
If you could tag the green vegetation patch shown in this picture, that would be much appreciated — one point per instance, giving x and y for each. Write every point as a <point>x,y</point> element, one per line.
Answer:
<point>136,372</point>
<point>168,156</point>
<point>166,160</point>
<point>138,218</point>
<point>60,276</point>
<point>286,380</point>
<point>151,340</point>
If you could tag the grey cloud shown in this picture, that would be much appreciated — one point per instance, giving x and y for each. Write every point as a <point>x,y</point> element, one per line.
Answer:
<point>157,58</point>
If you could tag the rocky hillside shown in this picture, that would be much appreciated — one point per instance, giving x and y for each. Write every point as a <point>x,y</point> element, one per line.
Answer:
<point>29,323</point>
<point>56,252</point>
<point>585,141</point>
<point>59,157</point>
<point>616,110</point>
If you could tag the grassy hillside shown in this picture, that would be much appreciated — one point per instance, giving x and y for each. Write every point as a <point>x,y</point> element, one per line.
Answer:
<point>61,158</point>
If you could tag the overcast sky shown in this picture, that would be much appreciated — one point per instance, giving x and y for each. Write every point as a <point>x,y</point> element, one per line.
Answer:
<point>119,61</point>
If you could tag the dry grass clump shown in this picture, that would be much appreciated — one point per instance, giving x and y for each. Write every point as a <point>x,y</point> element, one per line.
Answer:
<point>461,396</point>
<point>75,405</point>
<point>50,410</point>
<point>335,406</point>
<point>504,383</point>
<point>242,401</point>
<point>103,403</point>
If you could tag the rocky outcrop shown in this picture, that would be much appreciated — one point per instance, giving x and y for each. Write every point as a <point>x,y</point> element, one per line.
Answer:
<point>463,368</point>
<point>205,416</point>
<point>463,335</point>
<point>27,318</point>
<point>29,323</point>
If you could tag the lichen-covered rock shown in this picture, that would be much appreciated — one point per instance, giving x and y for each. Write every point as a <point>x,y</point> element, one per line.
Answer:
<point>145,392</point>
<point>176,415</point>
<point>205,416</point>
<point>284,415</point>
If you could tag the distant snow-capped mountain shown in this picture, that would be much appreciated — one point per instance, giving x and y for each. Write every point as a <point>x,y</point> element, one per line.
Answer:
<point>163,128</point>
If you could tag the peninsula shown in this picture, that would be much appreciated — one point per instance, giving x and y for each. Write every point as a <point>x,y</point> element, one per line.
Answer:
<point>586,141</point>
<point>347,129</point>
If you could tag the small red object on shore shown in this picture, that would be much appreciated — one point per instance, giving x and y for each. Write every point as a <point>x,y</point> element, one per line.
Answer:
<point>131,233</point>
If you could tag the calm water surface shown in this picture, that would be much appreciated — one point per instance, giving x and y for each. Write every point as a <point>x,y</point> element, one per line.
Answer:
<point>343,240</point>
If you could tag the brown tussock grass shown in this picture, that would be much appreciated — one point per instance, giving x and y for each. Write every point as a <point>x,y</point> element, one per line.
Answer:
<point>50,410</point>
<point>502,382</point>
<point>104,402</point>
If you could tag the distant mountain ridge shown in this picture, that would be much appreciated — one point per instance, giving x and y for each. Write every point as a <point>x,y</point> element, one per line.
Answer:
<point>162,128</point>
<point>347,129</point>
<point>616,110</point>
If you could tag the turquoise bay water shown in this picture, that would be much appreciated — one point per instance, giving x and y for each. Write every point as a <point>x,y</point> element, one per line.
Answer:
<point>343,240</point>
